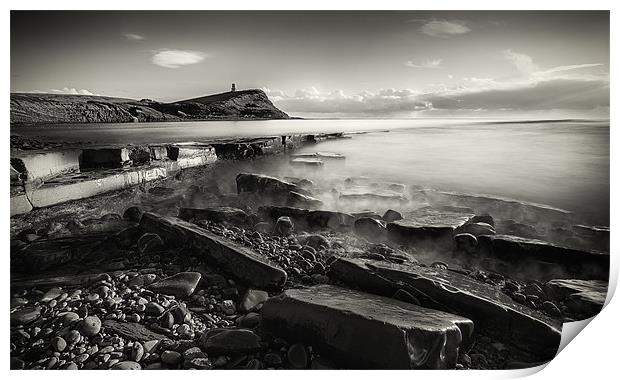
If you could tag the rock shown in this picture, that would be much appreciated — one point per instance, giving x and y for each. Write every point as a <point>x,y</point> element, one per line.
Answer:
<point>258,183</point>
<point>133,214</point>
<point>198,363</point>
<point>373,196</point>
<point>134,332</point>
<point>298,356</point>
<point>69,317</point>
<point>137,352</point>
<point>215,214</point>
<point>307,161</point>
<point>561,289</point>
<point>252,299</point>
<point>272,359</point>
<point>150,346</point>
<point>150,242</point>
<point>296,199</point>
<point>154,309</point>
<point>250,320</point>
<point>428,227</point>
<point>370,228</point>
<point>90,326</point>
<point>228,307</point>
<point>51,294</point>
<point>127,365</point>
<point>166,320</point>
<point>391,216</point>
<point>477,229</point>
<point>316,241</point>
<point>510,227</point>
<point>543,259</point>
<point>466,243</point>
<point>179,313</point>
<point>25,316</point>
<point>284,226</point>
<point>238,261</point>
<point>179,285</point>
<point>171,357</point>
<point>17,363</point>
<point>483,218</point>
<point>58,344</point>
<point>309,219</point>
<point>229,341</point>
<point>395,331</point>
<point>586,304</point>
<point>405,296</point>
<point>491,310</point>
<point>551,309</point>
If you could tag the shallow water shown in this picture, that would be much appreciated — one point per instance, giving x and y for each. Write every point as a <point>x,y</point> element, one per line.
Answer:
<point>564,164</point>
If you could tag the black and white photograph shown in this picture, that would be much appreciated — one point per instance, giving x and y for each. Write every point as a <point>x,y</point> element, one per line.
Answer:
<point>306,189</point>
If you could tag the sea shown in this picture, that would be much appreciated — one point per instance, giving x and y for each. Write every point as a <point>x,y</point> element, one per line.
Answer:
<point>559,163</point>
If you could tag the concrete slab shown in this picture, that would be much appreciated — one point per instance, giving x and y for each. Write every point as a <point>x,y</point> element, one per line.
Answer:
<point>20,204</point>
<point>41,165</point>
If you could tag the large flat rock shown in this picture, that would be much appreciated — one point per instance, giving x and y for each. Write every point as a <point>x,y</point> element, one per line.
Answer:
<point>132,331</point>
<point>585,298</point>
<point>491,310</point>
<point>238,261</point>
<point>310,219</point>
<point>544,260</point>
<point>428,226</point>
<point>263,184</point>
<point>20,204</point>
<point>41,165</point>
<point>362,330</point>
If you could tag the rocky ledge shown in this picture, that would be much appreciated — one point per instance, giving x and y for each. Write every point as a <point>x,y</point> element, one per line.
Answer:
<point>258,281</point>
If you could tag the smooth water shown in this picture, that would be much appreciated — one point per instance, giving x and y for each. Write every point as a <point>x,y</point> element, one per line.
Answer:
<point>563,164</point>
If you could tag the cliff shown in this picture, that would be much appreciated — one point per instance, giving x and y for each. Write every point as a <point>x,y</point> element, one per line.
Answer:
<point>53,108</point>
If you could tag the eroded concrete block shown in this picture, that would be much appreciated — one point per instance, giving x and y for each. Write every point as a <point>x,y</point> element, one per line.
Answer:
<point>39,166</point>
<point>20,204</point>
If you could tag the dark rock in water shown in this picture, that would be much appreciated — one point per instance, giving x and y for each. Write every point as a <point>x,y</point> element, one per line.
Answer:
<point>234,259</point>
<point>391,216</point>
<point>215,214</point>
<point>179,285</point>
<point>585,298</point>
<point>132,331</point>
<point>258,183</point>
<point>370,228</point>
<point>491,310</point>
<point>229,341</point>
<point>25,316</point>
<point>466,243</point>
<point>301,182</point>
<point>395,333</point>
<point>150,242</point>
<point>310,219</point>
<point>296,199</point>
<point>284,226</point>
<point>427,227</point>
<point>544,259</point>
<point>477,229</point>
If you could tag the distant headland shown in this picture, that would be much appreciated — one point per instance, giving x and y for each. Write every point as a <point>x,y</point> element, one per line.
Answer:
<point>31,108</point>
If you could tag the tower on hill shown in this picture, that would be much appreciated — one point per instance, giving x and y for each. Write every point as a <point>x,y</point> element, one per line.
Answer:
<point>233,88</point>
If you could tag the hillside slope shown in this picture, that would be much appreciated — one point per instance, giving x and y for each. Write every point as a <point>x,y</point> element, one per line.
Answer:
<point>29,108</point>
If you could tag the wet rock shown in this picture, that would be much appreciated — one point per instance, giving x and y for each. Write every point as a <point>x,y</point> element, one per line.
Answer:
<point>477,229</point>
<point>25,316</point>
<point>543,259</point>
<point>51,294</point>
<point>58,344</point>
<point>483,218</point>
<point>300,315</point>
<point>491,310</point>
<point>154,309</point>
<point>137,352</point>
<point>252,299</point>
<point>90,326</point>
<point>466,242</point>
<point>180,285</point>
<point>391,216</point>
<point>133,214</point>
<point>229,341</point>
<point>127,365</point>
<point>150,242</point>
<point>309,219</point>
<point>171,357</point>
<point>215,214</point>
<point>284,226</point>
<point>240,262</point>
<point>296,199</point>
<point>370,228</point>
<point>258,183</point>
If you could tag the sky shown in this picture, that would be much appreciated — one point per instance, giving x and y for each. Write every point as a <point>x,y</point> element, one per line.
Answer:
<point>326,64</point>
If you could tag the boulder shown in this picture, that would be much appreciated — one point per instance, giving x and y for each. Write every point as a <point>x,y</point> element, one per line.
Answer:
<point>252,299</point>
<point>391,216</point>
<point>428,227</point>
<point>296,199</point>
<point>492,311</point>
<point>258,183</point>
<point>370,228</point>
<point>179,285</point>
<point>361,330</point>
<point>229,341</point>
<point>215,214</point>
<point>310,219</point>
<point>284,226</point>
<point>236,260</point>
<point>544,260</point>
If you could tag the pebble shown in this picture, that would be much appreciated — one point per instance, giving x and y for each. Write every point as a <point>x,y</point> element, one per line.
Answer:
<point>25,316</point>
<point>166,320</point>
<point>298,356</point>
<point>272,359</point>
<point>252,298</point>
<point>51,294</point>
<point>170,357</point>
<point>137,352</point>
<point>90,326</point>
<point>154,309</point>
<point>127,365</point>
<point>150,346</point>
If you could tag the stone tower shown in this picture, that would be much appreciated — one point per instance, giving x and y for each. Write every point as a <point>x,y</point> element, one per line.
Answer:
<point>233,88</point>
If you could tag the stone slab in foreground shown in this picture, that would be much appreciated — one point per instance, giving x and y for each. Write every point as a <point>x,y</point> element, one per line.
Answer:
<point>238,261</point>
<point>546,260</point>
<point>368,331</point>
<point>489,308</point>
<point>131,330</point>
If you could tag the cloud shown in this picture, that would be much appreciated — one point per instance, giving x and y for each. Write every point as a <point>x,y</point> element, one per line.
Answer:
<point>173,59</point>
<point>568,68</point>
<point>444,28</point>
<point>133,36</point>
<point>523,62</point>
<point>432,64</point>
